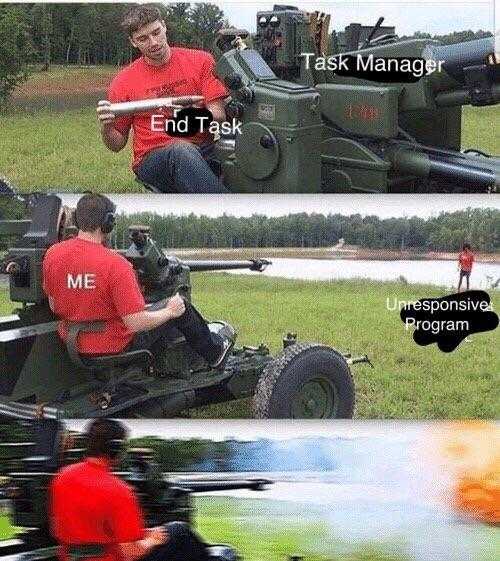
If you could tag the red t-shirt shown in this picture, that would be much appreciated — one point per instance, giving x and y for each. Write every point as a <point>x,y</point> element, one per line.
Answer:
<point>90,505</point>
<point>188,72</point>
<point>466,258</point>
<point>89,282</point>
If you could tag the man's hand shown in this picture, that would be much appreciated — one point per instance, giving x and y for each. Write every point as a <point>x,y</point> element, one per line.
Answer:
<point>12,267</point>
<point>158,535</point>
<point>176,306</point>
<point>146,320</point>
<point>104,113</point>
<point>218,109</point>
<point>112,138</point>
<point>153,538</point>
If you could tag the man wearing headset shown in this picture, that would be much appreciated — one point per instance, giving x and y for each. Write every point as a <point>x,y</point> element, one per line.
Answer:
<point>86,281</point>
<point>96,514</point>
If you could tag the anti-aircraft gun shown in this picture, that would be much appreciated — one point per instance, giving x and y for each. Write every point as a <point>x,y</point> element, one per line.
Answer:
<point>162,498</point>
<point>328,115</point>
<point>41,376</point>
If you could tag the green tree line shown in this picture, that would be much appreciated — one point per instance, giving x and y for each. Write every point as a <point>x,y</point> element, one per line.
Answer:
<point>87,33</point>
<point>451,38</point>
<point>43,34</point>
<point>11,208</point>
<point>447,231</point>
<point>170,455</point>
<point>178,455</point>
<point>481,227</point>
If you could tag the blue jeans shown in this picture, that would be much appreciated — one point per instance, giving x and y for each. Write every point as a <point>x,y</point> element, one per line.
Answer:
<point>194,328</point>
<point>183,545</point>
<point>180,167</point>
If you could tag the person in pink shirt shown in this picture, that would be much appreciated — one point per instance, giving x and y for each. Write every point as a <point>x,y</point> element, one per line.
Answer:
<point>465,262</point>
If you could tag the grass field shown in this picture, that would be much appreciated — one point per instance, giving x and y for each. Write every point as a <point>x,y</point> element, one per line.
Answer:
<point>51,141</point>
<point>62,152</point>
<point>407,382</point>
<point>6,529</point>
<point>259,536</point>
<point>240,522</point>
<point>263,530</point>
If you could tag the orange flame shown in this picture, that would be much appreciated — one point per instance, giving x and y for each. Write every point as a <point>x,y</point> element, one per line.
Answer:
<point>471,450</point>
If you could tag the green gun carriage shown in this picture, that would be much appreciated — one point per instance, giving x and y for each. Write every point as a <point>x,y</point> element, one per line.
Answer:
<point>306,128</point>
<point>42,376</point>
<point>32,463</point>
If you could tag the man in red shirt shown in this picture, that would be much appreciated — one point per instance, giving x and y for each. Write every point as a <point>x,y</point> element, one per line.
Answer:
<point>96,514</point>
<point>86,281</point>
<point>166,163</point>
<point>465,262</point>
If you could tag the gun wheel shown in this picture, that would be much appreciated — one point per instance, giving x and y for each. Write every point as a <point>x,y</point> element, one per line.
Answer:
<point>305,381</point>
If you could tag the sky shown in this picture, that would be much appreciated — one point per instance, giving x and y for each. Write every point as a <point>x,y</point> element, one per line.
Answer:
<point>383,206</point>
<point>433,17</point>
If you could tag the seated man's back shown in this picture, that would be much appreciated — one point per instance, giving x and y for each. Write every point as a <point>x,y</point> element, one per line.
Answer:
<point>89,282</point>
<point>90,506</point>
<point>84,512</point>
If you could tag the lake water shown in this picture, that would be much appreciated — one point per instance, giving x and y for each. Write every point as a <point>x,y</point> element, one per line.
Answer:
<point>440,273</point>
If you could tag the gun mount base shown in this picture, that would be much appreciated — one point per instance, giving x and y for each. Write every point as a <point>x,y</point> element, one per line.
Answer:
<point>247,373</point>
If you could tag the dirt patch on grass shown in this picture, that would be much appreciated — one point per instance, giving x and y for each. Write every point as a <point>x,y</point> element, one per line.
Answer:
<point>49,88</point>
<point>65,80</point>
<point>62,81</point>
<point>62,88</point>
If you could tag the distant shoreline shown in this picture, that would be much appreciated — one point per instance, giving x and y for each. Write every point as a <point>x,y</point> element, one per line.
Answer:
<point>353,253</point>
<point>321,253</point>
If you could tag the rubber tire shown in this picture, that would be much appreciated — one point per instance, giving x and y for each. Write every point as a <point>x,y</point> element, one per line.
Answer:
<point>283,378</point>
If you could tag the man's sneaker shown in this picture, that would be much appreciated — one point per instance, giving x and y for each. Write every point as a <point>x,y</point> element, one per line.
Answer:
<point>228,336</point>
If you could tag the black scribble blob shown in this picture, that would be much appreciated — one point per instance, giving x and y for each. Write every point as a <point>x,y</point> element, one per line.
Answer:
<point>357,69</point>
<point>197,119</point>
<point>448,320</point>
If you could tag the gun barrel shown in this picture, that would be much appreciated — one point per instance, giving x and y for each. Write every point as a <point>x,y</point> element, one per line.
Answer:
<point>140,106</point>
<point>208,265</point>
<point>458,56</point>
<point>463,96</point>
<point>476,174</point>
<point>210,485</point>
<point>470,74</point>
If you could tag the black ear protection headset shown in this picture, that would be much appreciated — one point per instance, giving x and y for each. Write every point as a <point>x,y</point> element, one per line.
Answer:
<point>107,223</point>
